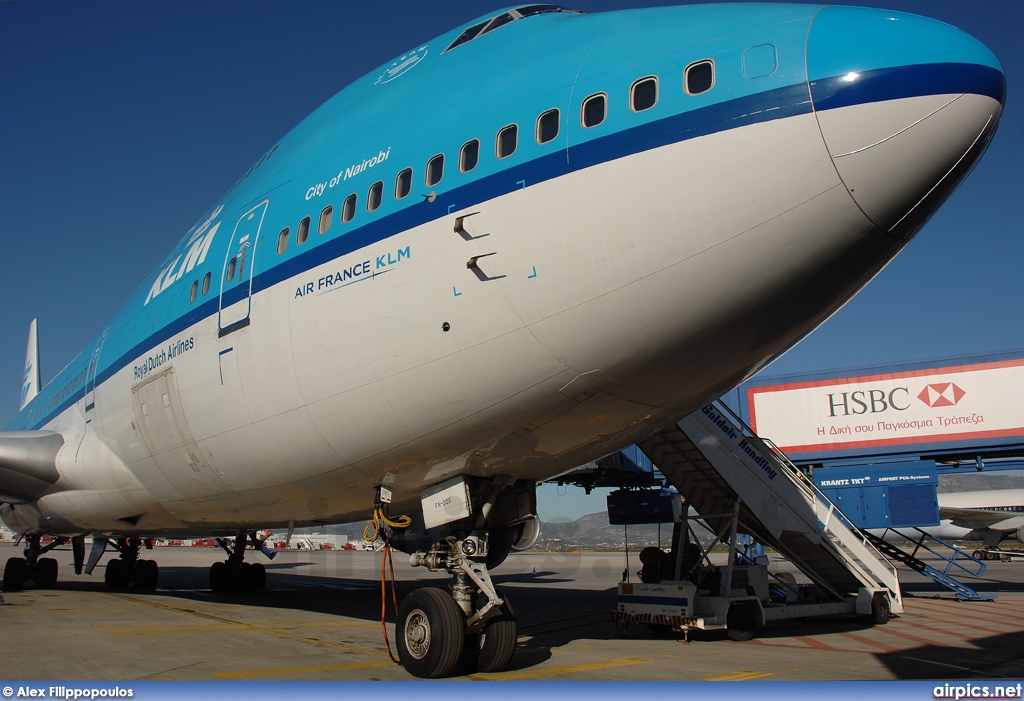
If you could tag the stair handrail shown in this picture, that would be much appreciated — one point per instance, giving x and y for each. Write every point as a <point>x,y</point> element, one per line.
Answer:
<point>766,448</point>
<point>769,450</point>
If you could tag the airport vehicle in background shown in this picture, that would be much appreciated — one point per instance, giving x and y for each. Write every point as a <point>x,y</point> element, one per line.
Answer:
<point>519,246</point>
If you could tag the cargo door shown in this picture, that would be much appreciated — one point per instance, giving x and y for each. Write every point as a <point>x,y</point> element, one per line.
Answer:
<point>162,423</point>
<point>236,277</point>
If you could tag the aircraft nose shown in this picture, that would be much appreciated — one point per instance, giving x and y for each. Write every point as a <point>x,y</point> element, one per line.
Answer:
<point>906,106</point>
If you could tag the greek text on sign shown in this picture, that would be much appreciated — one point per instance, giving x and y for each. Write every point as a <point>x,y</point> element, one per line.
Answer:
<point>921,406</point>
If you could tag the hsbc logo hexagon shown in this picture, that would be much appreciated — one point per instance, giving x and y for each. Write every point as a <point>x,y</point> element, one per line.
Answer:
<point>941,394</point>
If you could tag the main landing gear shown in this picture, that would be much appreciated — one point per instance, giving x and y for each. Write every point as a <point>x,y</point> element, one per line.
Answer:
<point>42,571</point>
<point>473,626</point>
<point>236,575</point>
<point>129,570</point>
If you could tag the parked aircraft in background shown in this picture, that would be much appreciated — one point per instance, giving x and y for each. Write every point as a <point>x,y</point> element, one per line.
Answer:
<point>989,515</point>
<point>518,247</point>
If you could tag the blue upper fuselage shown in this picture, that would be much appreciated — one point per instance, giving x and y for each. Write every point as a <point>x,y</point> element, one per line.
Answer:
<point>769,61</point>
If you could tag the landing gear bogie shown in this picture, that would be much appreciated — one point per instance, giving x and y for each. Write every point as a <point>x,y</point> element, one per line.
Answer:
<point>234,575</point>
<point>128,571</point>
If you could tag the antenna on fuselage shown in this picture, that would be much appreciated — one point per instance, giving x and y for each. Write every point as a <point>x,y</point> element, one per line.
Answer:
<point>30,383</point>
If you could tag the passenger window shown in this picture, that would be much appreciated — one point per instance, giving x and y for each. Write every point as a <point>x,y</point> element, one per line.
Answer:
<point>594,110</point>
<point>282,240</point>
<point>469,155</point>
<point>403,184</point>
<point>644,94</point>
<point>326,217</point>
<point>374,197</point>
<point>506,142</point>
<point>547,126</point>
<point>206,283</point>
<point>348,210</point>
<point>435,170</point>
<point>303,232</point>
<point>231,269</point>
<point>195,291</point>
<point>699,77</point>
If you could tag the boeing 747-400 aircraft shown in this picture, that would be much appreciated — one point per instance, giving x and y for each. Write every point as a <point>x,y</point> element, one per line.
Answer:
<point>515,248</point>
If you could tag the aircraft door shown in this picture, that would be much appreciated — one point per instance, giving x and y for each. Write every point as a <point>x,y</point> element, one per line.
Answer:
<point>161,421</point>
<point>90,375</point>
<point>236,277</point>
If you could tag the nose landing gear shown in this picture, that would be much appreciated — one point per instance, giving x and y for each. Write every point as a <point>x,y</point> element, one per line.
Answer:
<point>473,626</point>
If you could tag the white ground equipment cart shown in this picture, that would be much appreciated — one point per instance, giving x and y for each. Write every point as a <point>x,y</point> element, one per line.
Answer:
<point>737,597</point>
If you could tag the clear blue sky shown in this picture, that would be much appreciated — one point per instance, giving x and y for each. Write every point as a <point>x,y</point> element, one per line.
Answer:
<point>122,122</point>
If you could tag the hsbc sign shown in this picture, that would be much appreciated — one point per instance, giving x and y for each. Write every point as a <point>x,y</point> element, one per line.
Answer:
<point>876,401</point>
<point>901,408</point>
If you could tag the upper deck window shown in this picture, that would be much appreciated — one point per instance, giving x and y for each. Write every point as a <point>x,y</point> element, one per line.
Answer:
<point>435,170</point>
<point>469,155</point>
<point>403,184</point>
<point>348,209</point>
<point>547,127</point>
<point>644,94</point>
<point>594,110</point>
<point>508,139</point>
<point>326,217</point>
<point>375,196</point>
<point>488,25</point>
<point>699,77</point>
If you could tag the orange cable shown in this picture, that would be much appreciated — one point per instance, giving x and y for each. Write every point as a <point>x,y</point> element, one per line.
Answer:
<point>386,557</point>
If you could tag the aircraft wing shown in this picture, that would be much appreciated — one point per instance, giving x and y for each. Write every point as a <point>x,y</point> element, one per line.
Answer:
<point>982,518</point>
<point>28,464</point>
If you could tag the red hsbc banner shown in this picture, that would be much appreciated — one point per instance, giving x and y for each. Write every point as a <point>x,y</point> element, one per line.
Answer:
<point>967,402</point>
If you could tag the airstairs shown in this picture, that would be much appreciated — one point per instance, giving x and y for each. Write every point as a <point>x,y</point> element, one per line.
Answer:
<point>717,462</point>
<point>957,559</point>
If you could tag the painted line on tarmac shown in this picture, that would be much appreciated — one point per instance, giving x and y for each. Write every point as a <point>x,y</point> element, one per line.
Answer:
<point>226,628</point>
<point>250,626</point>
<point>948,626</point>
<point>565,669</point>
<point>927,642</point>
<point>940,664</point>
<point>958,613</point>
<point>877,644</point>
<point>740,676</point>
<point>815,644</point>
<point>311,669</point>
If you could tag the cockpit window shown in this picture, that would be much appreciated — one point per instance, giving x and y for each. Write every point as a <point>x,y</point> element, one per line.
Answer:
<point>504,18</point>
<point>498,21</point>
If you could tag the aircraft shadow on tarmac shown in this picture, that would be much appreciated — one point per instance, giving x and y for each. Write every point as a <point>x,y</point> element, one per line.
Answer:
<point>553,613</point>
<point>994,657</point>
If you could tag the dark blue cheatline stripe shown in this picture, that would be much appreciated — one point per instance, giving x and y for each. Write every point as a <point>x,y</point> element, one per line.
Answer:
<point>775,104</point>
<point>908,81</point>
